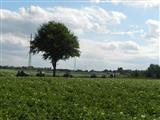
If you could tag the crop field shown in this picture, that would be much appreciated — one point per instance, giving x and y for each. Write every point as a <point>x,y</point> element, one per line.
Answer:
<point>79,99</point>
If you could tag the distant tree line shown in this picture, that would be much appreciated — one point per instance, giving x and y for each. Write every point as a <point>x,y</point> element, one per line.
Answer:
<point>26,68</point>
<point>153,71</point>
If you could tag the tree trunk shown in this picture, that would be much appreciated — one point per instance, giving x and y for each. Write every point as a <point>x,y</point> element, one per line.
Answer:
<point>54,67</point>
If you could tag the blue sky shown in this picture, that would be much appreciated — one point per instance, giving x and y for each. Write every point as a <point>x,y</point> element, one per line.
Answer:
<point>111,34</point>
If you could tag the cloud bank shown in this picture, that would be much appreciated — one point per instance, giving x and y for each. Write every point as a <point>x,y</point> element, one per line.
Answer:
<point>140,3</point>
<point>17,26</point>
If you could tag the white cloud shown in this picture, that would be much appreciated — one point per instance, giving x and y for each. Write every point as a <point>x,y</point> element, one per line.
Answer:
<point>118,16</point>
<point>153,33</point>
<point>18,25</point>
<point>15,39</point>
<point>111,51</point>
<point>143,3</point>
<point>94,19</point>
<point>129,33</point>
<point>117,52</point>
<point>152,37</point>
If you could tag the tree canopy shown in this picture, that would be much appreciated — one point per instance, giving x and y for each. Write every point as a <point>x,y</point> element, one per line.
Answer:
<point>153,71</point>
<point>56,42</point>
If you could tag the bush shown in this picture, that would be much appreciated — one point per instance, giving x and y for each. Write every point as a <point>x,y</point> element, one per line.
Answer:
<point>112,75</point>
<point>135,73</point>
<point>40,74</point>
<point>67,75</point>
<point>93,76</point>
<point>103,76</point>
<point>21,73</point>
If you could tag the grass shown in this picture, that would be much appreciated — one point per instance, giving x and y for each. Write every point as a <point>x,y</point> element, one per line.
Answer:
<point>79,99</point>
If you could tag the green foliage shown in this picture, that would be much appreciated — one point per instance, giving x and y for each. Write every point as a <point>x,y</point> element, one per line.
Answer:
<point>103,76</point>
<point>67,75</point>
<point>79,99</point>
<point>137,74</point>
<point>40,74</point>
<point>93,76</point>
<point>153,71</point>
<point>56,42</point>
<point>112,75</point>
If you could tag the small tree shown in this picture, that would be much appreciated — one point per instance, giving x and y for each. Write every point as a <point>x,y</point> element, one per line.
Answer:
<point>56,42</point>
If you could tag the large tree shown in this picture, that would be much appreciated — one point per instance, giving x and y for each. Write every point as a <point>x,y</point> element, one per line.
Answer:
<point>56,42</point>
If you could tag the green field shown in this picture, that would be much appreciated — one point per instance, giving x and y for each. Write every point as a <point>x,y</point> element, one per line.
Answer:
<point>79,99</point>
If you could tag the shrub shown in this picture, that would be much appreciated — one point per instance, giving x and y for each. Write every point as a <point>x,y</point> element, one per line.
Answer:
<point>40,74</point>
<point>93,76</point>
<point>21,73</point>
<point>67,75</point>
<point>103,76</point>
<point>112,75</point>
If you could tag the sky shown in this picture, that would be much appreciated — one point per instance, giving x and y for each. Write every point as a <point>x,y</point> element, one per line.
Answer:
<point>111,33</point>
